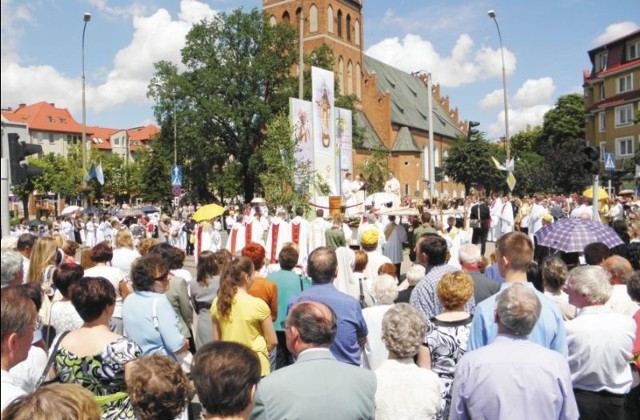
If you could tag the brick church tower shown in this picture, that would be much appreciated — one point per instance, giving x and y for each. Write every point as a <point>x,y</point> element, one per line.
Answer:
<point>335,23</point>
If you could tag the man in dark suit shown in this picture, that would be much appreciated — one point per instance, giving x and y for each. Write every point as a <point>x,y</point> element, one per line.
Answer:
<point>483,286</point>
<point>316,386</point>
<point>480,211</point>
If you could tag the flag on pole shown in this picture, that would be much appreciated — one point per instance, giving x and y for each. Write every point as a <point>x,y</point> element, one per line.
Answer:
<point>99,175</point>
<point>91,173</point>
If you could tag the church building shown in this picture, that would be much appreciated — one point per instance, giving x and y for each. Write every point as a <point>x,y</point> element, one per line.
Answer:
<point>392,104</point>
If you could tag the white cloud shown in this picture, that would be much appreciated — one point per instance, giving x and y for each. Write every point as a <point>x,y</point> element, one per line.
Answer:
<point>155,37</point>
<point>461,67</point>
<point>520,119</point>
<point>615,31</point>
<point>526,108</point>
<point>492,100</point>
<point>535,92</point>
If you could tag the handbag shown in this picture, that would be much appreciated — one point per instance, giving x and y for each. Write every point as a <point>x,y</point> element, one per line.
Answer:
<point>476,223</point>
<point>363,302</point>
<point>185,358</point>
<point>43,378</point>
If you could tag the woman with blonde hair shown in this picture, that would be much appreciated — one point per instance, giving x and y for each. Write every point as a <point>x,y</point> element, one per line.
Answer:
<point>62,401</point>
<point>45,257</point>
<point>447,341</point>
<point>124,254</point>
<point>238,316</point>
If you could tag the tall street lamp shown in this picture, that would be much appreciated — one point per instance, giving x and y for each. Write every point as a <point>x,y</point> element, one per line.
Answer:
<point>86,18</point>
<point>492,15</point>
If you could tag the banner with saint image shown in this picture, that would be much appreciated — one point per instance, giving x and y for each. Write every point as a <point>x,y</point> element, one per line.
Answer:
<point>325,149</point>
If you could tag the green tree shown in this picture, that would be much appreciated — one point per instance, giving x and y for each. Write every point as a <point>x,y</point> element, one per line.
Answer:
<point>237,78</point>
<point>375,170</point>
<point>469,163</point>
<point>284,179</point>
<point>561,142</point>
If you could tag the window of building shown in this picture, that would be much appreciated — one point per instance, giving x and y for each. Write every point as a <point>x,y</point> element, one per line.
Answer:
<point>603,150</point>
<point>285,17</point>
<point>330,19</point>
<point>52,140</point>
<point>348,28</point>
<point>272,21</point>
<point>624,115</point>
<point>39,138</point>
<point>602,61</point>
<point>625,83</point>
<point>406,189</point>
<point>624,147</point>
<point>116,142</point>
<point>602,121</point>
<point>358,81</point>
<point>341,75</point>
<point>313,19</point>
<point>601,88</point>
<point>356,32</point>
<point>349,78</point>
<point>633,51</point>
<point>339,21</point>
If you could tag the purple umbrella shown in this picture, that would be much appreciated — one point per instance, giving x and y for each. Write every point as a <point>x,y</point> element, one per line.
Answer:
<point>572,235</point>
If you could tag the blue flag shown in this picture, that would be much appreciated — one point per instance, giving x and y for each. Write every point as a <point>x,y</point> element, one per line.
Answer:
<point>99,174</point>
<point>91,173</point>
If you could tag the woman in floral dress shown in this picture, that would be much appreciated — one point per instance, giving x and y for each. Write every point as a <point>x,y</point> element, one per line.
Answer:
<point>93,356</point>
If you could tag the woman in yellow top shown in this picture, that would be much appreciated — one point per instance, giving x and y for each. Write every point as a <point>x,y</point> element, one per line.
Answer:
<point>238,316</point>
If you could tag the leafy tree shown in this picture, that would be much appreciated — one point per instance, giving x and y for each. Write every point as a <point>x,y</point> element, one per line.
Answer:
<point>563,122</point>
<point>153,168</point>
<point>237,78</point>
<point>469,163</point>
<point>283,172</point>
<point>561,142</point>
<point>374,169</point>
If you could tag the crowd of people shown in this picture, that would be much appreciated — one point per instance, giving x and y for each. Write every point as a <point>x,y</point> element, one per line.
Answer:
<point>296,317</point>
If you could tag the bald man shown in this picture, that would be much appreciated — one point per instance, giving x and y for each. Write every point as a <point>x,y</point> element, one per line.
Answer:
<point>316,386</point>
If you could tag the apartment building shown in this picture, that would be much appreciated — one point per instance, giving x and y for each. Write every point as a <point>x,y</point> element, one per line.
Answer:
<point>612,98</point>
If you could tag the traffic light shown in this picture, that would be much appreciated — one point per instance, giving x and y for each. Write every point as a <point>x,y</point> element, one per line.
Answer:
<point>471,132</point>
<point>593,155</point>
<point>439,172</point>
<point>18,152</point>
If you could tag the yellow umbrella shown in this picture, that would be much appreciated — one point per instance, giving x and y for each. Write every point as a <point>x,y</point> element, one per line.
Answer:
<point>602,193</point>
<point>208,212</point>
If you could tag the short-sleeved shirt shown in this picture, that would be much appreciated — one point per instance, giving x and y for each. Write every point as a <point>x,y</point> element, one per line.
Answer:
<point>244,325</point>
<point>351,324</point>
<point>139,325</point>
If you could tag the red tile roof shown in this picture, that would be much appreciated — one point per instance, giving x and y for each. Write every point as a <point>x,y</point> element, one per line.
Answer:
<point>44,116</point>
<point>101,137</point>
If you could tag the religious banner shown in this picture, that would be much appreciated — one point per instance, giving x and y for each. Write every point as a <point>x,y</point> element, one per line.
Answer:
<point>344,136</point>
<point>301,124</point>
<point>300,113</point>
<point>324,144</point>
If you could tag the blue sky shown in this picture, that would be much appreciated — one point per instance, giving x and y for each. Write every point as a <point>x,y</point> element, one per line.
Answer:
<point>546,44</point>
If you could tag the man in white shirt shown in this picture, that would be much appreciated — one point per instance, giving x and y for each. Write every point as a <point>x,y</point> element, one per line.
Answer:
<point>392,186</point>
<point>600,343</point>
<point>619,268</point>
<point>18,321</point>
<point>317,227</point>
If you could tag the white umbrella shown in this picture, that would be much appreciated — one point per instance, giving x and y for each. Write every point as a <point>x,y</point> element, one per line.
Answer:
<point>381,199</point>
<point>258,200</point>
<point>70,210</point>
